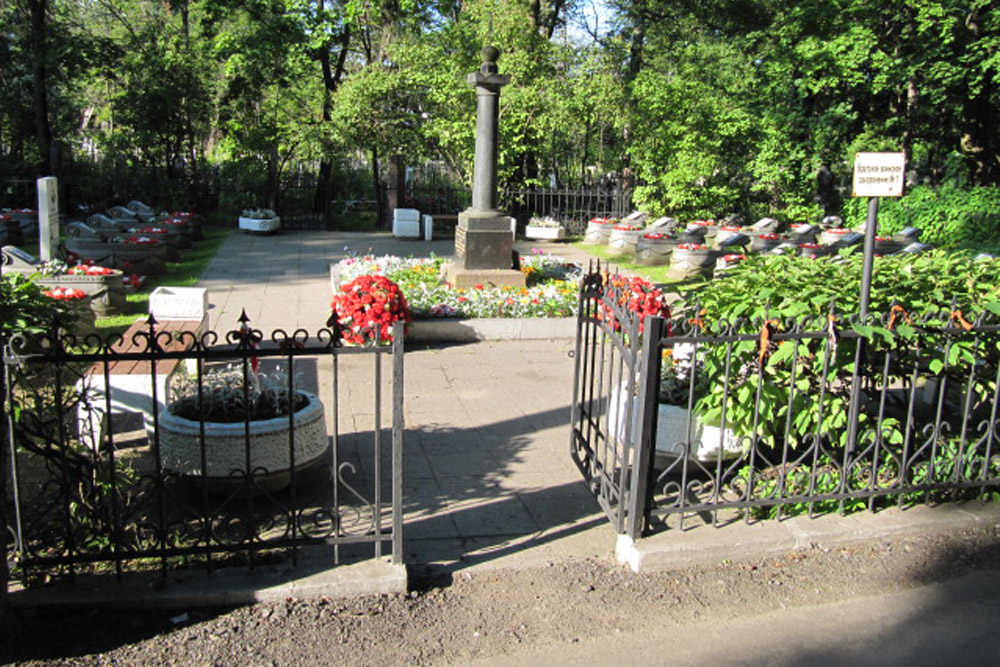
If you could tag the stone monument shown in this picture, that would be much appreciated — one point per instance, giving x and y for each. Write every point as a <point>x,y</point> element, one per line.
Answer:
<point>484,240</point>
<point>48,217</point>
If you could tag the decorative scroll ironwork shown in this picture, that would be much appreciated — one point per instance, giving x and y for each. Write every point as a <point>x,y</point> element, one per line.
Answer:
<point>783,416</point>
<point>115,502</point>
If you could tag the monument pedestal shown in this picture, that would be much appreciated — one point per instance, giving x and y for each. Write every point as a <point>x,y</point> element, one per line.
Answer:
<point>484,251</point>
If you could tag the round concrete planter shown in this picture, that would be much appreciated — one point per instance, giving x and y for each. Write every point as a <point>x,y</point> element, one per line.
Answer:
<point>597,233</point>
<point>623,241</point>
<point>225,449</point>
<point>652,251</point>
<point>690,263</point>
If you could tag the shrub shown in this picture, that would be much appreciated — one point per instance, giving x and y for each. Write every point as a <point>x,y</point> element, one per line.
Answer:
<point>949,216</point>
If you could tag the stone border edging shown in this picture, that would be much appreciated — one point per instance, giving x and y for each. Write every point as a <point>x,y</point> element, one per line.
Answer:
<point>499,328</point>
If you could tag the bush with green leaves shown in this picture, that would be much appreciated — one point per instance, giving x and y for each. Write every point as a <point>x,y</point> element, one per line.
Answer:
<point>934,294</point>
<point>26,309</point>
<point>949,216</point>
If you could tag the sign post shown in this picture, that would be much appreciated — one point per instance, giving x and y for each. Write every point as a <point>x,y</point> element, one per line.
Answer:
<point>875,175</point>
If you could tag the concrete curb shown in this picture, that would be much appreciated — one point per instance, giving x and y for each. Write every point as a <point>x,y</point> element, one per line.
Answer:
<point>478,329</point>
<point>704,544</point>
<point>196,588</point>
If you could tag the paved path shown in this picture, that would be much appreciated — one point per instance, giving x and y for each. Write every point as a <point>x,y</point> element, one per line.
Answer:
<point>487,473</point>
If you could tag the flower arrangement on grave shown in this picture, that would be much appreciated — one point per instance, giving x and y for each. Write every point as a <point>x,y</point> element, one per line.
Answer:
<point>367,302</point>
<point>701,223</point>
<point>768,237</point>
<point>628,228</point>
<point>732,228</point>
<point>692,246</point>
<point>90,270</point>
<point>546,222</point>
<point>733,258</point>
<point>603,221</point>
<point>656,236</point>
<point>256,213</point>
<point>65,294</point>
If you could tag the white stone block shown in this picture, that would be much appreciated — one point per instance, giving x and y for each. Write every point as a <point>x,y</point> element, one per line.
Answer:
<point>406,228</point>
<point>406,215</point>
<point>178,303</point>
<point>428,228</point>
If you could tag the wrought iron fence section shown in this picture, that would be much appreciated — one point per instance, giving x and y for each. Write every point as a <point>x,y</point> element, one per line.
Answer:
<point>768,417</point>
<point>84,496</point>
<point>797,426</point>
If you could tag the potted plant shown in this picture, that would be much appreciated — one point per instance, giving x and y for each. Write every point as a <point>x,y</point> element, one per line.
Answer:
<point>246,418</point>
<point>260,221</point>
<point>546,228</point>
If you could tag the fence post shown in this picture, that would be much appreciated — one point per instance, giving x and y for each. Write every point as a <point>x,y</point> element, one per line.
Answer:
<point>642,461</point>
<point>6,440</point>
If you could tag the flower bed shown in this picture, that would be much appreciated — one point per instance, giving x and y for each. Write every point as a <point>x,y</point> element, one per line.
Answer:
<point>551,291</point>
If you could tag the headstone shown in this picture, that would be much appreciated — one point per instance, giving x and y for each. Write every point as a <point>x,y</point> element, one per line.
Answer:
<point>737,240</point>
<point>907,234</point>
<point>103,222</point>
<point>692,235</point>
<point>122,213</point>
<point>662,224</point>
<point>921,247</point>
<point>80,230</point>
<point>17,260</point>
<point>848,240</point>
<point>832,221</point>
<point>48,217</point>
<point>766,226</point>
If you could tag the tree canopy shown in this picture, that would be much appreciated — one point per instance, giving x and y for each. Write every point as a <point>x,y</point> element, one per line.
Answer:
<point>705,107</point>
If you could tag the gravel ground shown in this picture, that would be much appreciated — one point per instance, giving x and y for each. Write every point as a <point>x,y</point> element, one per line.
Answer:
<point>458,617</point>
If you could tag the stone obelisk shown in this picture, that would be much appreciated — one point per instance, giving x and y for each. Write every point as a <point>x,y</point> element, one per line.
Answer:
<point>484,239</point>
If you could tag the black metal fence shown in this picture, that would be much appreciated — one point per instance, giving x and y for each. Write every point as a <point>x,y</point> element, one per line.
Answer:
<point>179,448</point>
<point>718,421</point>
<point>574,207</point>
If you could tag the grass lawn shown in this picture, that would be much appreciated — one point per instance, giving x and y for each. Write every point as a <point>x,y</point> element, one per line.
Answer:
<point>654,274</point>
<point>179,274</point>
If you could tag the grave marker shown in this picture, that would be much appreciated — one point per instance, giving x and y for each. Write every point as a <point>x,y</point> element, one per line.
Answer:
<point>48,217</point>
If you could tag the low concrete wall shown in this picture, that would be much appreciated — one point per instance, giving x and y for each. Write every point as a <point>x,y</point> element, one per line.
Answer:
<point>446,330</point>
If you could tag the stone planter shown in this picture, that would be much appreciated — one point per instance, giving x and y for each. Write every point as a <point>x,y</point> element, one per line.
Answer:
<point>260,225</point>
<point>711,229</point>
<point>623,241</point>
<point>545,233</point>
<point>655,249</point>
<point>225,449</point>
<point>766,243</point>
<point>106,293</point>
<point>597,234</point>
<point>143,258</point>
<point>831,236</point>
<point>692,263</point>
<point>813,250</point>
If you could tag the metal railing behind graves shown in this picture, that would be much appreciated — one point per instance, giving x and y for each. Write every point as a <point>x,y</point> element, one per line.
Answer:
<point>571,206</point>
<point>91,488</point>
<point>768,418</point>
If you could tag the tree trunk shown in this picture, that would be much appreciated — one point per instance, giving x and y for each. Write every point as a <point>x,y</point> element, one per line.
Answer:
<point>40,83</point>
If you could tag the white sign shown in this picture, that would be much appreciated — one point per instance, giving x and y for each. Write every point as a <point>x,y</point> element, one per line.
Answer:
<point>879,174</point>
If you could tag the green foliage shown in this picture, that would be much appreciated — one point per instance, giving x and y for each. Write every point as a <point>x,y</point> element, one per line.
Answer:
<point>777,390</point>
<point>950,217</point>
<point>26,310</point>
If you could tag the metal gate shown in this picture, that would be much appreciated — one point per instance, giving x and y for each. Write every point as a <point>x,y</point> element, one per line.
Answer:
<point>608,419</point>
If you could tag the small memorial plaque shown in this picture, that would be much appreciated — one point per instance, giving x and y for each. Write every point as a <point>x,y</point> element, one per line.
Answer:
<point>879,174</point>
<point>15,259</point>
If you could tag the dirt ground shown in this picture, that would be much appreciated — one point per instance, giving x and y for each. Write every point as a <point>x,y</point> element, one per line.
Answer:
<point>463,616</point>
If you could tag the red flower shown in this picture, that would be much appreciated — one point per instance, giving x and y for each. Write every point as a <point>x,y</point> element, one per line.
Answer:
<point>365,302</point>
